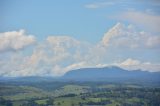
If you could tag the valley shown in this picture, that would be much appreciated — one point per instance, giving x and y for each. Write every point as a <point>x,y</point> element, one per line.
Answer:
<point>109,86</point>
<point>78,94</point>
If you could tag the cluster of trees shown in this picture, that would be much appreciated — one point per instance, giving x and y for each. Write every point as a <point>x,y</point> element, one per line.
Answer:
<point>49,102</point>
<point>102,102</point>
<point>133,104</point>
<point>68,95</point>
<point>4,102</point>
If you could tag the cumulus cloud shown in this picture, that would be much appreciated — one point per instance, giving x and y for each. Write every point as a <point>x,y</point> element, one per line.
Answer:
<point>142,19</point>
<point>53,57</point>
<point>129,62</point>
<point>113,32</point>
<point>128,37</point>
<point>15,40</point>
<point>65,47</point>
<point>57,55</point>
<point>133,64</point>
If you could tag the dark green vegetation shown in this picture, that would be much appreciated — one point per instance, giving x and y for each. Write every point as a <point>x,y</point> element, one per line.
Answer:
<point>58,93</point>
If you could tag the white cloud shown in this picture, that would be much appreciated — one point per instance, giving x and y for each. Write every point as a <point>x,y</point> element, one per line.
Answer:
<point>153,2</point>
<point>128,37</point>
<point>15,40</point>
<point>60,54</point>
<point>76,66</point>
<point>153,41</point>
<point>129,62</point>
<point>142,19</point>
<point>53,57</point>
<point>113,32</point>
<point>96,5</point>
<point>132,64</point>
<point>64,41</point>
<point>65,47</point>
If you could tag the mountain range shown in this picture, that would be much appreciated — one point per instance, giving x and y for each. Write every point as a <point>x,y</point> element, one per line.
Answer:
<point>111,74</point>
<point>107,74</point>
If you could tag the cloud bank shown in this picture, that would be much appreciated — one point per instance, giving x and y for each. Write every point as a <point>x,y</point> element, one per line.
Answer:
<point>58,54</point>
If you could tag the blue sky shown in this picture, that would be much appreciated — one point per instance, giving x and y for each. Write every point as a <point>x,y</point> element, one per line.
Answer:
<point>70,17</point>
<point>57,17</point>
<point>106,26</point>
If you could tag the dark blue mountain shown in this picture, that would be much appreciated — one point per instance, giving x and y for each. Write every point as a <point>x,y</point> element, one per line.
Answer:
<point>107,74</point>
<point>111,74</point>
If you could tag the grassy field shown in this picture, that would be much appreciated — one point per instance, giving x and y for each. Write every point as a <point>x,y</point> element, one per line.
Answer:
<point>22,92</point>
<point>79,94</point>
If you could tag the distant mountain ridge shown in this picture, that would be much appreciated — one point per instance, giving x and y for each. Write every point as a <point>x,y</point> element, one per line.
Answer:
<point>110,73</point>
<point>105,74</point>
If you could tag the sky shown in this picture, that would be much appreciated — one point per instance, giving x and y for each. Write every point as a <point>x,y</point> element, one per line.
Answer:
<point>52,37</point>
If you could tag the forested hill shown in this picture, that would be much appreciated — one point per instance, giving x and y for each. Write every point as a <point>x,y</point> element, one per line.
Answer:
<point>111,74</point>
